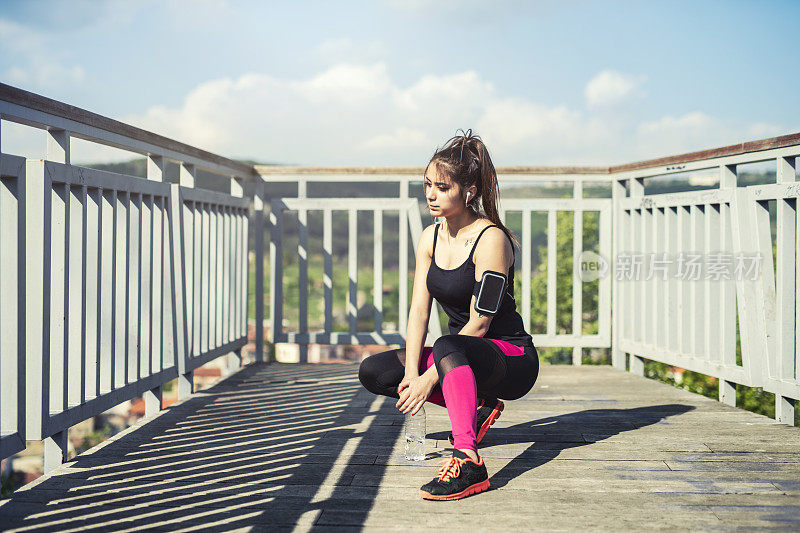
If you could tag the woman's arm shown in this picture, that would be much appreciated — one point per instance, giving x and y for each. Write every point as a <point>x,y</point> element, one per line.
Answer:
<point>415,389</point>
<point>420,310</point>
<point>493,252</point>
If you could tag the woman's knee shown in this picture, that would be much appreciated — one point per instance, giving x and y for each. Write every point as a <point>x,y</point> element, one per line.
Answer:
<point>375,367</point>
<point>445,345</point>
<point>449,351</point>
<point>368,373</point>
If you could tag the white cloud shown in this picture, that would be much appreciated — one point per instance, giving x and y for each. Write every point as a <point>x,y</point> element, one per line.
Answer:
<point>400,138</point>
<point>695,121</point>
<point>465,90</point>
<point>356,114</point>
<point>689,132</point>
<point>697,131</point>
<point>609,88</point>
<point>346,84</point>
<point>761,130</point>
<point>346,113</point>
<point>521,132</point>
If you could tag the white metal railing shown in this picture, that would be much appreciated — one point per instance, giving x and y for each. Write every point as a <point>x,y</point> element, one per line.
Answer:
<point>409,210</point>
<point>679,322</point>
<point>577,205</point>
<point>409,217</point>
<point>691,322</point>
<point>12,306</point>
<point>111,285</point>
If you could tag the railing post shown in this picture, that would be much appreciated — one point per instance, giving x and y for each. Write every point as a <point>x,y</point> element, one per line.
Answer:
<point>152,397</point>
<point>302,267</point>
<point>577,283</point>
<point>258,236</point>
<point>727,389</point>
<point>377,269</point>
<point>276,269</point>
<point>152,400</point>
<point>187,177</point>
<point>786,295</point>
<point>58,146</point>
<point>234,359</point>
<point>177,299</point>
<point>727,392</point>
<point>237,187</point>
<point>526,269</point>
<point>37,234</point>
<point>552,278</point>
<point>617,355</point>
<point>637,191</point>
<point>55,450</point>
<point>402,302</point>
<point>58,150</point>
<point>352,275</point>
<point>12,308</point>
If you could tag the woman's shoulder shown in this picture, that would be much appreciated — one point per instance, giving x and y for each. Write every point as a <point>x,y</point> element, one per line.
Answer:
<point>427,233</point>
<point>491,231</point>
<point>486,223</point>
<point>426,239</point>
<point>492,237</point>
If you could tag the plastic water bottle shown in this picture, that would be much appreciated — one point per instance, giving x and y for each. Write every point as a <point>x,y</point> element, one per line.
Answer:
<point>415,435</point>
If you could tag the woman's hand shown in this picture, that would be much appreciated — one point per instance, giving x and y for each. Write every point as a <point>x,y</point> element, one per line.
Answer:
<point>413,390</point>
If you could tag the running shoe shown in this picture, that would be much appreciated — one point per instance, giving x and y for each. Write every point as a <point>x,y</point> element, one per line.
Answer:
<point>488,412</point>
<point>459,477</point>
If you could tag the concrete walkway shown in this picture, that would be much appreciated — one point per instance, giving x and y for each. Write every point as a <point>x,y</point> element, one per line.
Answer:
<point>304,447</point>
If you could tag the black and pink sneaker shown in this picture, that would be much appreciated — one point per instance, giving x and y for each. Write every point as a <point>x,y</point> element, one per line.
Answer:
<point>458,478</point>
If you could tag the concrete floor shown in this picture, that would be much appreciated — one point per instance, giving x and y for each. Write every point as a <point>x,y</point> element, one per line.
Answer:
<point>304,447</point>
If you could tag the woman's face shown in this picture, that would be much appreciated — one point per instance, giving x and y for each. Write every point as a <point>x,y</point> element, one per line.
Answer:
<point>444,196</point>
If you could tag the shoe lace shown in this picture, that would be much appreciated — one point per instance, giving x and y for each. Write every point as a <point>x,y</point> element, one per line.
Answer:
<point>451,468</point>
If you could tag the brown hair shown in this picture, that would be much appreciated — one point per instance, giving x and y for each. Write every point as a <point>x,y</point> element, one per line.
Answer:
<point>465,160</point>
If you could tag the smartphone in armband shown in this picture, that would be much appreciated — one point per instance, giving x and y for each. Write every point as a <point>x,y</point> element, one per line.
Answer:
<point>489,293</point>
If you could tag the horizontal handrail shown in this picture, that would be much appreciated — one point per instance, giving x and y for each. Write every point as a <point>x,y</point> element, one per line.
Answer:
<point>748,147</point>
<point>271,170</point>
<point>36,102</point>
<point>124,135</point>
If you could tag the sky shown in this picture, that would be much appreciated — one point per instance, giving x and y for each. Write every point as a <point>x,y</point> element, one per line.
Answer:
<point>385,82</point>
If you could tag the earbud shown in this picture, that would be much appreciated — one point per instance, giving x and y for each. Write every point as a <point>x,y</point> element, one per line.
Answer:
<point>468,195</point>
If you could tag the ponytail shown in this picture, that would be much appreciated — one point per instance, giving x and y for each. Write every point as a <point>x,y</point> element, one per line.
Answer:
<point>465,160</point>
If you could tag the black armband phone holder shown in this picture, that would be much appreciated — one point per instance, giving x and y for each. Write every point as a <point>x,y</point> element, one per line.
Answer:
<point>489,292</point>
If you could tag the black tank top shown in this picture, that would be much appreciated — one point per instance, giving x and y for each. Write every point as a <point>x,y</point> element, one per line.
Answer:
<point>453,289</point>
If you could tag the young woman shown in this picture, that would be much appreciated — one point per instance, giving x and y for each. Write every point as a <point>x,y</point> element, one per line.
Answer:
<point>488,354</point>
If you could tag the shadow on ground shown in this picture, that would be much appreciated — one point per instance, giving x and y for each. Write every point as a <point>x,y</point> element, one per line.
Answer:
<point>593,425</point>
<point>271,447</point>
<point>552,435</point>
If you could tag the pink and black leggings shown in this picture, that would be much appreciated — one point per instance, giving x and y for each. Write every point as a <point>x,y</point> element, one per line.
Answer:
<point>469,368</point>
